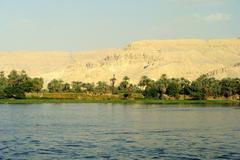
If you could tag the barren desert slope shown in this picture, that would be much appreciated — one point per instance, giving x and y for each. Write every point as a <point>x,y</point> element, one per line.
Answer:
<point>176,58</point>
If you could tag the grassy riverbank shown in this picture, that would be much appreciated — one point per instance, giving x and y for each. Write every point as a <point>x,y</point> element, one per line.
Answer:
<point>120,101</point>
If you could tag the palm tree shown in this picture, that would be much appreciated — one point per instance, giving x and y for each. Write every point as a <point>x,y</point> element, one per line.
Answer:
<point>126,78</point>
<point>125,82</point>
<point>145,82</point>
<point>163,83</point>
<point>113,80</point>
<point>185,85</point>
<point>2,74</point>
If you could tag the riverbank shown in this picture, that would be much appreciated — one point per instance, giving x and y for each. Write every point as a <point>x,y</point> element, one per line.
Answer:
<point>120,101</point>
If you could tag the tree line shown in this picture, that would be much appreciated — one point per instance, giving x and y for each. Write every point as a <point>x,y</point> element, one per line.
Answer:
<point>17,83</point>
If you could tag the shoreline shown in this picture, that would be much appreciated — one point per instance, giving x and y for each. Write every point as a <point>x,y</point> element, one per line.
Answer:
<point>120,101</point>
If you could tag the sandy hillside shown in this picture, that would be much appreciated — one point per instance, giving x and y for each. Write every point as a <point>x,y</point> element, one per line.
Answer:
<point>176,58</point>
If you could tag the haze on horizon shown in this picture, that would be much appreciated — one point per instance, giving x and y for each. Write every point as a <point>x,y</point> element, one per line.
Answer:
<point>73,25</point>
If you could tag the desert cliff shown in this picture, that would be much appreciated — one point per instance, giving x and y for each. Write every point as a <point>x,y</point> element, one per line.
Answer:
<point>176,58</point>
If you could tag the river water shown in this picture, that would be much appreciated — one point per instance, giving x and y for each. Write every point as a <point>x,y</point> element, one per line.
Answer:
<point>107,131</point>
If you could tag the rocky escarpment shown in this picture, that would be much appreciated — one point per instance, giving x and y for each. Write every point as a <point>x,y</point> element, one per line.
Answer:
<point>176,58</point>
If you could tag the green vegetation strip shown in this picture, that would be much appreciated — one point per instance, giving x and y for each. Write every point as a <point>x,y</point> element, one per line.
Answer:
<point>18,85</point>
<point>120,101</point>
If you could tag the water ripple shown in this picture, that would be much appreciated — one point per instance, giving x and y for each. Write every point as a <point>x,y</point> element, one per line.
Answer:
<point>118,132</point>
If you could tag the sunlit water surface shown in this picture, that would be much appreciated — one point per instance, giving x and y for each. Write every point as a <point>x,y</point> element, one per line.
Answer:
<point>106,131</point>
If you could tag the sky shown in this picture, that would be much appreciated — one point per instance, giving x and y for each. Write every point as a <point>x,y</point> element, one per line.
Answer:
<point>79,25</point>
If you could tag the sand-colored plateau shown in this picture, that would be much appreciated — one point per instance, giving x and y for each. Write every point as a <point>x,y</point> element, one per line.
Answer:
<point>176,58</point>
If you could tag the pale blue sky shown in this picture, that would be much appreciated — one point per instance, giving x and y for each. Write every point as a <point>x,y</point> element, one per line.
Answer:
<point>96,24</point>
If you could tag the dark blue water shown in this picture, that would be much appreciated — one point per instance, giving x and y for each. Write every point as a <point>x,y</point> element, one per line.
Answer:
<point>100,131</point>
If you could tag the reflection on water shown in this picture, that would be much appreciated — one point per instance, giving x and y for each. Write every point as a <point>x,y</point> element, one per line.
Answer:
<point>105,131</point>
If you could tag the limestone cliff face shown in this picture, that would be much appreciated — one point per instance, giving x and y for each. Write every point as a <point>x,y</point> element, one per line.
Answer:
<point>176,58</point>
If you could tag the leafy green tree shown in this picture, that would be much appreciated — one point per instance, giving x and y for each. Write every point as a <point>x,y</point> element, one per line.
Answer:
<point>155,89</point>
<point>237,86</point>
<point>37,84</point>
<point>66,87</point>
<point>174,88</point>
<point>55,86</point>
<point>151,91</point>
<point>145,82</point>
<point>77,86</point>
<point>229,86</point>
<point>3,84</point>
<point>204,87</point>
<point>89,87</point>
<point>102,87</point>
<point>18,84</point>
<point>134,88</point>
<point>13,78</point>
<point>215,90</point>
<point>14,92</point>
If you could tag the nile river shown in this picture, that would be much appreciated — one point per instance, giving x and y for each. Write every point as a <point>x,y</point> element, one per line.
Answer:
<point>106,131</point>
